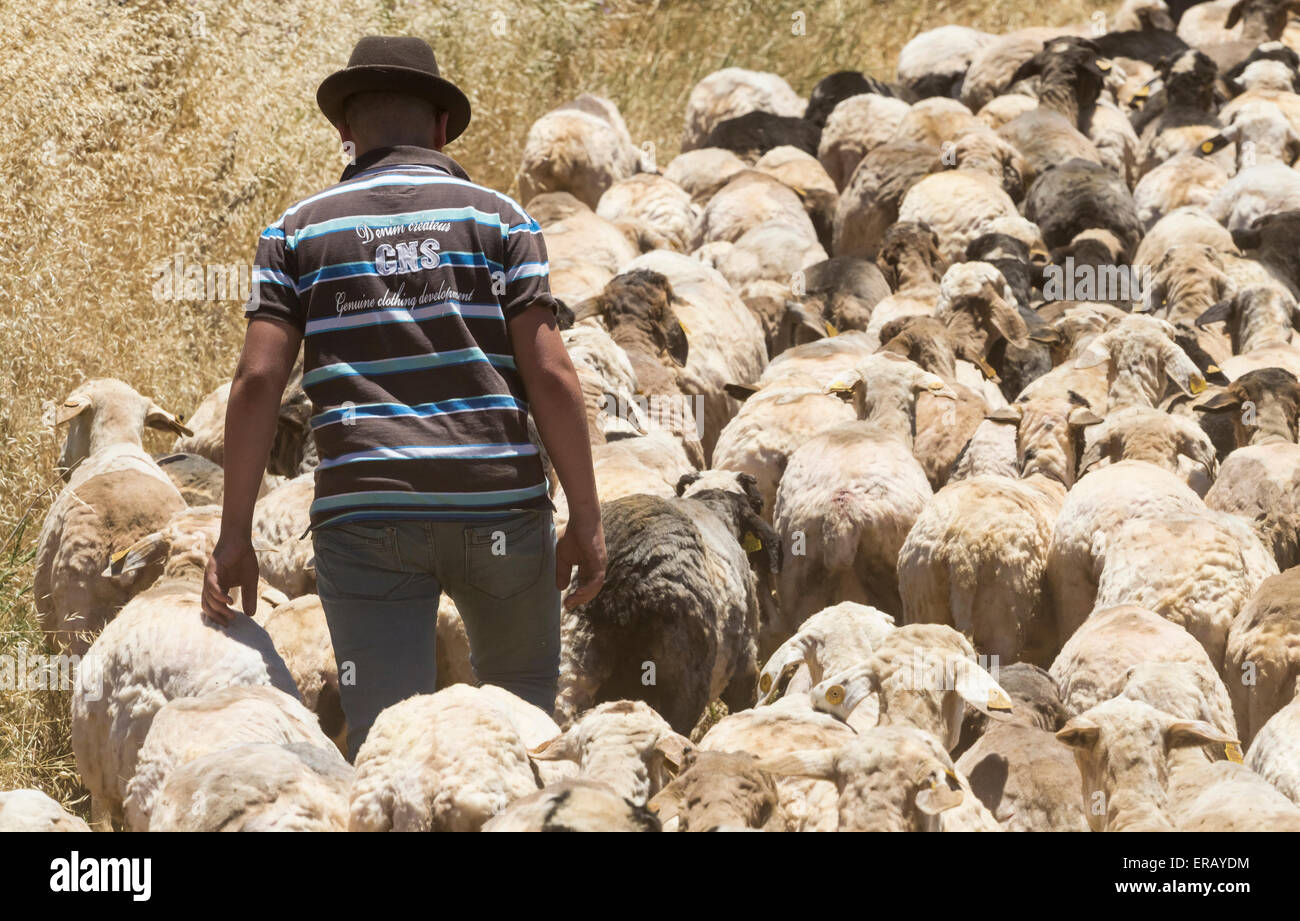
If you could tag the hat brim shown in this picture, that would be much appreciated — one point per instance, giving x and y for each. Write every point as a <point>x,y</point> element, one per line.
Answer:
<point>445,95</point>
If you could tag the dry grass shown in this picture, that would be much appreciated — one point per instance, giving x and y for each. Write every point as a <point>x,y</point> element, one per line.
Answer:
<point>140,129</point>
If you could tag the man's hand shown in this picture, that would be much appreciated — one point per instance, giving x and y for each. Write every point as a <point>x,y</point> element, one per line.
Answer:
<point>583,545</point>
<point>233,563</point>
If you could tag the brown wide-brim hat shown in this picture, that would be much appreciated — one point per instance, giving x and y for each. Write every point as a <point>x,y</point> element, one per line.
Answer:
<point>394,64</point>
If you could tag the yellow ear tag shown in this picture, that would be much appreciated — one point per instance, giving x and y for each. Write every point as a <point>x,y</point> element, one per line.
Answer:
<point>1233,751</point>
<point>683,326</point>
<point>1207,147</point>
<point>1103,66</point>
<point>751,542</point>
<point>1213,369</point>
<point>118,557</point>
<point>1196,384</point>
<point>1143,92</point>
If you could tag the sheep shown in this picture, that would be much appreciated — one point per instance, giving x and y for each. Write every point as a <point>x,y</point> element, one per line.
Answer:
<point>911,262</point>
<point>977,306</point>
<point>1002,109</point>
<point>1273,753</point>
<point>1143,16</point>
<point>1256,480</point>
<point>679,598</point>
<point>301,637</point>
<point>773,250</point>
<point>1139,353</point>
<point>115,495</point>
<point>581,147</point>
<point>890,778</point>
<point>787,726</point>
<point>956,204</point>
<point>1096,507</point>
<point>1230,31</point>
<point>850,494</point>
<point>921,674</point>
<point>189,728</point>
<point>1180,116</point>
<point>446,761</point>
<point>658,209</point>
<point>1273,239</point>
<point>753,134</point>
<point>935,62</point>
<point>718,791</point>
<point>1188,690</point>
<point>993,69</point>
<point>1183,181</point>
<point>1095,661</point>
<point>869,202</point>
<point>32,810</point>
<point>577,234</point>
<point>808,179</point>
<point>1259,320</point>
<point>772,423</point>
<point>937,122</point>
<point>748,199</point>
<point>1183,225</point>
<point>976,557</point>
<point>704,171</point>
<point>834,88</point>
<point>731,92</point>
<point>1025,778</point>
<point>725,340</point>
<point>1078,195</point>
<point>828,642</point>
<point>1035,701</point>
<point>842,292</point>
<point>289,448</point>
<point>257,787</point>
<point>622,743</point>
<point>282,517</point>
<point>199,480</point>
<point>574,806</point>
<point>157,649</point>
<point>1135,779</point>
<point>857,126</point>
<point>1262,189</point>
<point>1263,658</point>
<point>1260,132</point>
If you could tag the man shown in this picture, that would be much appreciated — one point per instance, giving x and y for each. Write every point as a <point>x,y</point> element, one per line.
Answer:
<point>429,329</point>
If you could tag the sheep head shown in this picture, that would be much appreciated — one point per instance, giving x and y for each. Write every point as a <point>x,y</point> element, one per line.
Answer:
<point>1049,434</point>
<point>909,255</point>
<point>735,498</point>
<point>979,308</point>
<point>922,674</point>
<point>883,388</point>
<point>891,778</point>
<point>638,306</point>
<point>1140,352</point>
<point>1256,316</point>
<point>716,790</point>
<point>1265,406</point>
<point>1122,748</point>
<point>104,412</point>
<point>1151,435</point>
<point>1071,74</point>
<point>926,341</point>
<point>845,631</point>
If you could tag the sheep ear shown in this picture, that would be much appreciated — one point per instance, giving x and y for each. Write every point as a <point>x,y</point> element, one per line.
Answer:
<point>978,688</point>
<point>159,418</point>
<point>71,408</point>
<point>1219,313</point>
<point>138,555</point>
<point>1183,372</point>
<point>1011,413</point>
<point>1093,455</point>
<point>672,748</point>
<point>1008,321</point>
<point>819,763</point>
<point>937,798</point>
<point>685,480</point>
<point>591,307</point>
<point>1200,452</point>
<point>678,347</point>
<point>1234,14</point>
<point>1196,732</point>
<point>559,748</point>
<point>1030,68</point>
<point>1081,415</point>
<point>667,802</point>
<point>1220,402</point>
<point>1097,352</point>
<point>1079,733</point>
<point>739,391</point>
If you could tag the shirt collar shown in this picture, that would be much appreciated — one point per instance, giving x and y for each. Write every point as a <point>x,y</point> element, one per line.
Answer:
<point>403,155</point>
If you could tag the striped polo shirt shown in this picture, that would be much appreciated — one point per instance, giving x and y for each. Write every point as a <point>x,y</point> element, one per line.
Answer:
<point>402,279</point>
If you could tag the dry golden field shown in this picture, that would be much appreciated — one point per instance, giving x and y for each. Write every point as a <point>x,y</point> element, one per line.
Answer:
<point>138,130</point>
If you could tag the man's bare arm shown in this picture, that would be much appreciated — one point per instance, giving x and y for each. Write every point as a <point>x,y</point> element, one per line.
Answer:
<point>557,405</point>
<point>270,348</point>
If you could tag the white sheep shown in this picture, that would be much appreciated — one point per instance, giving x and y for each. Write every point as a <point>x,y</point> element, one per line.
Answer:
<point>32,810</point>
<point>658,210</point>
<point>116,494</point>
<point>582,147</point>
<point>936,60</point>
<point>189,728</point>
<point>855,127</point>
<point>732,92</point>
<point>285,557</point>
<point>157,649</point>
<point>255,787</point>
<point>828,642</point>
<point>447,761</point>
<point>301,637</point>
<point>1274,754</point>
<point>1266,188</point>
<point>574,806</point>
<point>1262,661</point>
<point>1025,778</point>
<point>702,172</point>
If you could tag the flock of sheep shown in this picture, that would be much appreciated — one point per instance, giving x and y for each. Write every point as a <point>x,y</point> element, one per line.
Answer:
<point>956,552</point>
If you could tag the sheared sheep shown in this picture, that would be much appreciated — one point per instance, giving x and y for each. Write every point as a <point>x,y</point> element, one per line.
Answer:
<point>622,743</point>
<point>33,811</point>
<point>658,210</point>
<point>1263,654</point>
<point>574,806</point>
<point>301,636</point>
<point>1274,754</point>
<point>857,126</point>
<point>828,642</point>
<point>1025,778</point>
<point>703,171</point>
<point>731,92</point>
<point>718,791</point>
<point>869,202</point>
<point>581,147</point>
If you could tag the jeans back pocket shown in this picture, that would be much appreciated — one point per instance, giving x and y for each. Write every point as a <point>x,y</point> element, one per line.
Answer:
<point>503,558</point>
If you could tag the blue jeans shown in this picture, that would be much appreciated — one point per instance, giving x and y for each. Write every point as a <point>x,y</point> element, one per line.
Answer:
<point>380,580</point>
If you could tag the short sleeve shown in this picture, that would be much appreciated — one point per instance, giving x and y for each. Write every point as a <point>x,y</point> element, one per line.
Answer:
<point>274,292</point>
<point>527,273</point>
